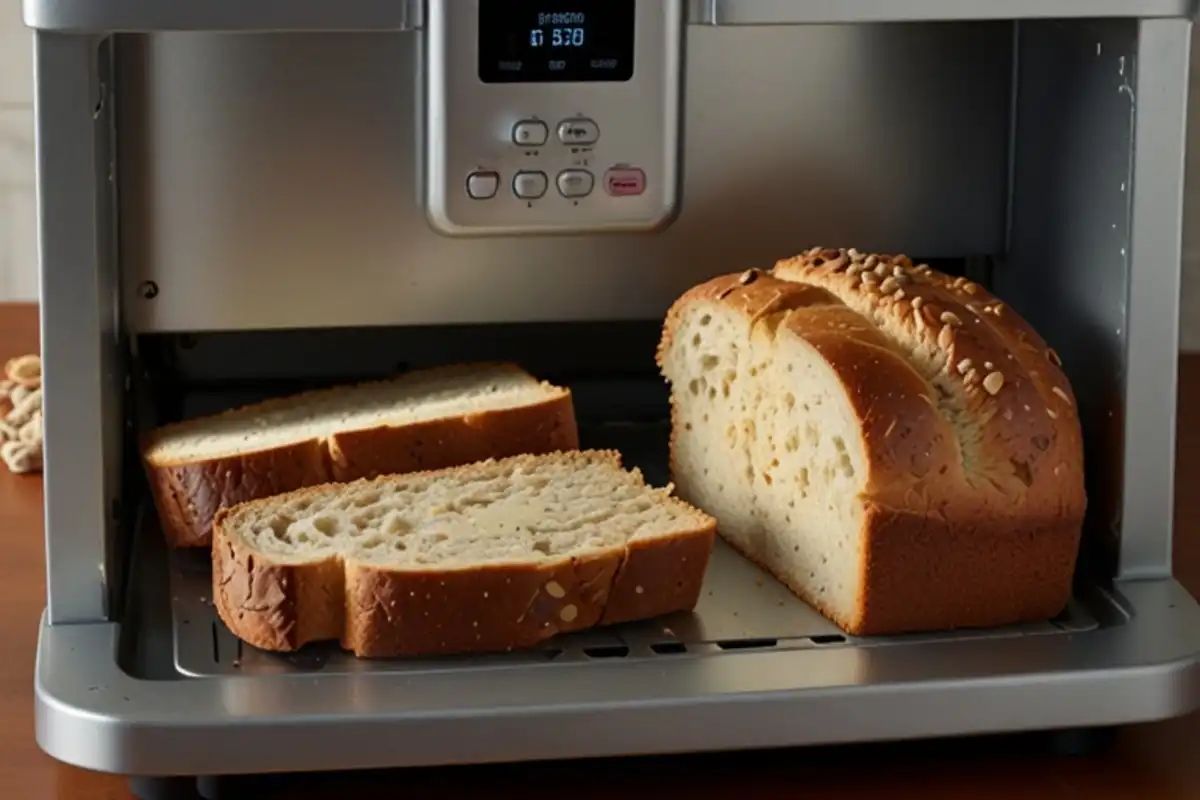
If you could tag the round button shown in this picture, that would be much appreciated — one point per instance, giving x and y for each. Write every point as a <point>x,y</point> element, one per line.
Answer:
<point>530,133</point>
<point>575,183</point>
<point>530,185</point>
<point>482,185</point>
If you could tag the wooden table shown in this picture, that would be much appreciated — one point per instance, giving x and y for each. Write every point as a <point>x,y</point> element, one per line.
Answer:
<point>1148,763</point>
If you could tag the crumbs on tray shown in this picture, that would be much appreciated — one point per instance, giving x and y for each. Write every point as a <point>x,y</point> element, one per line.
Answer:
<point>21,406</point>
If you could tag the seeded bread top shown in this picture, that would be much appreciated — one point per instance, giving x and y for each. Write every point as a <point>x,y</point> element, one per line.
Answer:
<point>952,382</point>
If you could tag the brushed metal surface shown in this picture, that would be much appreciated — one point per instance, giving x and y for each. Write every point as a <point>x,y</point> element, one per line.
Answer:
<point>782,12</point>
<point>1094,257</point>
<point>109,16</point>
<point>272,181</point>
<point>1158,93</point>
<point>104,16</point>
<point>81,337</point>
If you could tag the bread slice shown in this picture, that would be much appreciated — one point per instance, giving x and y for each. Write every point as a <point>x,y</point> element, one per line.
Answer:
<point>487,557</point>
<point>897,446</point>
<point>423,420</point>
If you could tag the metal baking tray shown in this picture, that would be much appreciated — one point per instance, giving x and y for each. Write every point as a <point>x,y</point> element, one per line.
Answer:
<point>741,608</point>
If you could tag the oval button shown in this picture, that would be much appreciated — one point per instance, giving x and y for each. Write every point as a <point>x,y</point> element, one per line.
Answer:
<point>575,183</point>
<point>624,181</point>
<point>482,185</point>
<point>529,185</point>
<point>578,131</point>
<point>530,133</point>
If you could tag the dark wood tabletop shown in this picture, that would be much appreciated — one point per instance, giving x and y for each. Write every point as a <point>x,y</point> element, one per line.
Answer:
<point>1150,762</point>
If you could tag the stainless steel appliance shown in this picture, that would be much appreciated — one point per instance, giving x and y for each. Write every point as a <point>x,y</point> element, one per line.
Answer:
<point>242,197</point>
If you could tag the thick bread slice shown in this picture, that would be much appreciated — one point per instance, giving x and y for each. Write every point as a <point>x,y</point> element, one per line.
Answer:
<point>898,447</point>
<point>426,419</point>
<point>487,557</point>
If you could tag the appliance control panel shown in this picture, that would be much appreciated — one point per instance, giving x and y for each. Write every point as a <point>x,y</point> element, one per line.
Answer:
<point>552,116</point>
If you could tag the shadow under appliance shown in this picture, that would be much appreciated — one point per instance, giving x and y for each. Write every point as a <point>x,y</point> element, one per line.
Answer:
<point>241,198</point>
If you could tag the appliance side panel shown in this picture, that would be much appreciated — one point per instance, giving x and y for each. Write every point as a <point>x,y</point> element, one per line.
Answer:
<point>1093,261</point>
<point>274,183</point>
<point>1159,95</point>
<point>80,335</point>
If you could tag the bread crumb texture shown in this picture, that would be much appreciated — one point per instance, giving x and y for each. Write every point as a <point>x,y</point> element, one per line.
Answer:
<point>490,556</point>
<point>896,445</point>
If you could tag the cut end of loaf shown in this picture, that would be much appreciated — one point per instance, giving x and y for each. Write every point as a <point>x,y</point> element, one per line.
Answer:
<point>492,555</point>
<point>764,438</point>
<point>415,397</point>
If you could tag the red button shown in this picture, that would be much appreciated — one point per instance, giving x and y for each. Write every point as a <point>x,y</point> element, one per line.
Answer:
<point>624,182</point>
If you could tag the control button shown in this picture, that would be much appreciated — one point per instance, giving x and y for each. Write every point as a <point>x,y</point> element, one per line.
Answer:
<point>530,133</point>
<point>483,185</point>
<point>624,181</point>
<point>578,131</point>
<point>529,185</point>
<point>575,183</point>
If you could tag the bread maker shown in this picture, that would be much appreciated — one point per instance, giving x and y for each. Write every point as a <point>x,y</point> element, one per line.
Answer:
<point>242,198</point>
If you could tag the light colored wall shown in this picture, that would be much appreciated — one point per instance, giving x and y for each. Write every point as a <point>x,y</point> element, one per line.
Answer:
<point>1190,306</point>
<point>18,273</point>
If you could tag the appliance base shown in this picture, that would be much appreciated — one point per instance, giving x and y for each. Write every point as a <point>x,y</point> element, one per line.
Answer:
<point>137,715</point>
<point>1065,743</point>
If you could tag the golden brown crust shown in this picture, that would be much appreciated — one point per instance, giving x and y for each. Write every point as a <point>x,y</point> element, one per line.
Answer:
<point>970,575</point>
<point>921,573</point>
<point>980,358</point>
<point>383,612</point>
<point>187,495</point>
<point>974,494</point>
<point>277,606</point>
<point>658,576</point>
<point>545,427</point>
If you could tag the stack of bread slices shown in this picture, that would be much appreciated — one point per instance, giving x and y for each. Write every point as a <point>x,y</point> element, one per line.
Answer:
<point>447,511</point>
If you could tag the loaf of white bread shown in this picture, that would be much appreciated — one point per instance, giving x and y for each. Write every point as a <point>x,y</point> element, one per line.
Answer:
<point>897,446</point>
<point>427,419</point>
<point>490,556</point>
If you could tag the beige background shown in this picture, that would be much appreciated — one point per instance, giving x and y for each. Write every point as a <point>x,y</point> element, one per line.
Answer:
<point>18,272</point>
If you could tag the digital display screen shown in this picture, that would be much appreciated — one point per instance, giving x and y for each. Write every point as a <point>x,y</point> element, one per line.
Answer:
<point>542,41</point>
